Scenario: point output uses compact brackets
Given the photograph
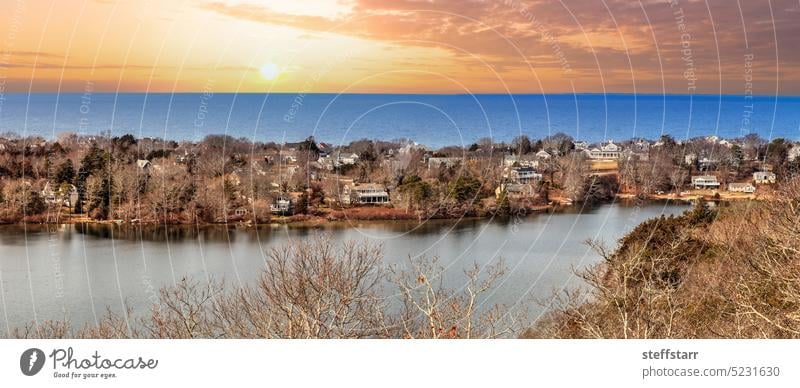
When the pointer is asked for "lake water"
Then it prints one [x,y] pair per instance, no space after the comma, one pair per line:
[434,120]
[77,271]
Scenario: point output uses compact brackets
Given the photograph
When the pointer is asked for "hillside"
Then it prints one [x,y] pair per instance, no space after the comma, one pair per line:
[731,272]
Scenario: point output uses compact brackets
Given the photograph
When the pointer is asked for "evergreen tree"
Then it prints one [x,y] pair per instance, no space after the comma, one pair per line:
[503,204]
[100,205]
[464,188]
[65,173]
[302,203]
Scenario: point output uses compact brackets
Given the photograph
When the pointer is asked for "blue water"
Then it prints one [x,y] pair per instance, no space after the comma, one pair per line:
[435,120]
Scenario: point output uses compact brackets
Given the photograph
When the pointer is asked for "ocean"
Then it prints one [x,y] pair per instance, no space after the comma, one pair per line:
[434,120]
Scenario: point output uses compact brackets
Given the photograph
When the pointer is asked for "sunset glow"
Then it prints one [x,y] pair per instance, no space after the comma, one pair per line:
[400,46]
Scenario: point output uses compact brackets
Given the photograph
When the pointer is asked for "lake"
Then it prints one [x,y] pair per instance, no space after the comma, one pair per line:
[77,271]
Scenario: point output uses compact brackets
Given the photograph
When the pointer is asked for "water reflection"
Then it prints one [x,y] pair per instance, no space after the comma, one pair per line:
[81,269]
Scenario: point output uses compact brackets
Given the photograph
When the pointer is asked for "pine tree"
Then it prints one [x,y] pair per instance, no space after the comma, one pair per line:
[65,173]
[503,204]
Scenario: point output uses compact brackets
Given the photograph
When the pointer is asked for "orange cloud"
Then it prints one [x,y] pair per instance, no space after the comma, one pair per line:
[487,46]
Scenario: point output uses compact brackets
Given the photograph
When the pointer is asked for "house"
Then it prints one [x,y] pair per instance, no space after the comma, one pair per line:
[764,177]
[794,153]
[509,160]
[329,163]
[741,188]
[50,196]
[705,182]
[144,165]
[706,163]
[65,194]
[514,190]
[185,158]
[281,206]
[283,156]
[524,175]
[520,160]
[544,155]
[346,160]
[443,162]
[365,193]
[325,149]
[581,145]
[606,151]
[241,211]
[639,149]
[640,146]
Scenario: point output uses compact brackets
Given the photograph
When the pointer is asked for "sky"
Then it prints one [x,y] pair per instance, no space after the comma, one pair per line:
[401,46]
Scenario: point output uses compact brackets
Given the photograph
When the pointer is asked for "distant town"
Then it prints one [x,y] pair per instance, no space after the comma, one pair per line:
[221,179]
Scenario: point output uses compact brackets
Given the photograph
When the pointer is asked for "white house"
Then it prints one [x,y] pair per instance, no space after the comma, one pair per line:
[365,193]
[524,175]
[794,153]
[606,151]
[705,182]
[144,165]
[66,195]
[544,155]
[521,160]
[764,177]
[281,206]
[741,188]
[443,162]
[347,159]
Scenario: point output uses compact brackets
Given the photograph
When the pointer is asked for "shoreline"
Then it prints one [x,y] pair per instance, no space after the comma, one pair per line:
[313,221]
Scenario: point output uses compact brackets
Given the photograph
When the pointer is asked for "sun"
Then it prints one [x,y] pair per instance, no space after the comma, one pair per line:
[270,71]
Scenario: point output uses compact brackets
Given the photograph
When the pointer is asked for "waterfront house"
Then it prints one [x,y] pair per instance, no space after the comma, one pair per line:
[705,182]
[741,188]
[514,190]
[524,175]
[281,205]
[365,193]
[65,194]
[764,177]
